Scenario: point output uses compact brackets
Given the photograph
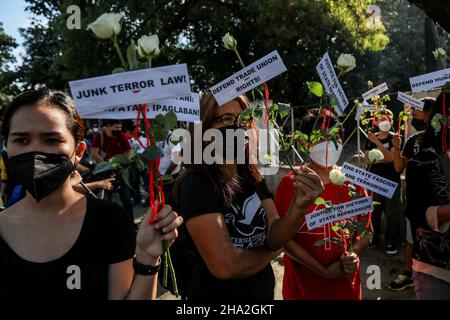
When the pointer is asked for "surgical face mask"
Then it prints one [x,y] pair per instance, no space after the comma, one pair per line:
[319,156]
[40,173]
[384,125]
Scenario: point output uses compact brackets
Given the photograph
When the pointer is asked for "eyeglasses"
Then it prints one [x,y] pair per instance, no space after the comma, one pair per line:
[229,119]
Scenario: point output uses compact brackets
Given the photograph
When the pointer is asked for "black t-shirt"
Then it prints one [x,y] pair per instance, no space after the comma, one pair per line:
[247,224]
[107,236]
[412,145]
[385,169]
[428,184]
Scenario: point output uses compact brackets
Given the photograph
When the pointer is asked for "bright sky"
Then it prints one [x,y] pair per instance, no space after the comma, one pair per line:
[13,17]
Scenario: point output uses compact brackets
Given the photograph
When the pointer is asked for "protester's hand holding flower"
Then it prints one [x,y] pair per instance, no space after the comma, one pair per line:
[309,187]
[149,241]
[350,263]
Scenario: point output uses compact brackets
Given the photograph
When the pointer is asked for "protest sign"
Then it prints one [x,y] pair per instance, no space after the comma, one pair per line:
[430,80]
[248,78]
[375,91]
[331,83]
[128,88]
[338,212]
[411,101]
[186,108]
[369,180]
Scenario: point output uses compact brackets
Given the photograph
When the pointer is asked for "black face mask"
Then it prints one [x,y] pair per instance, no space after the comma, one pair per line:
[39,172]
[419,125]
[116,133]
[231,143]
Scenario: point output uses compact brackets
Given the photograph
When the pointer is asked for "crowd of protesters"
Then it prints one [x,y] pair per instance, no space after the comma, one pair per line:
[234,226]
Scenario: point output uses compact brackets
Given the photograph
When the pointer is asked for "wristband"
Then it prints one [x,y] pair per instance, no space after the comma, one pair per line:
[145,270]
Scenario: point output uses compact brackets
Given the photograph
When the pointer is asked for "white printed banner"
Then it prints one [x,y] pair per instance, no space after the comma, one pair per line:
[430,80]
[338,212]
[186,108]
[364,107]
[375,91]
[411,101]
[331,83]
[249,78]
[369,180]
[128,88]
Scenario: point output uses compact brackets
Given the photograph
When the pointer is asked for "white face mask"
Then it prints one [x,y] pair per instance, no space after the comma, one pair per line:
[384,125]
[318,154]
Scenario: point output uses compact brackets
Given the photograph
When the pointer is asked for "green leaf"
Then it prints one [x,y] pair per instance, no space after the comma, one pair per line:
[333,100]
[376,203]
[319,201]
[258,113]
[160,119]
[119,159]
[103,167]
[284,110]
[170,120]
[118,70]
[151,153]
[126,178]
[320,243]
[315,88]
[335,228]
[328,205]
[131,155]
[337,240]
[131,56]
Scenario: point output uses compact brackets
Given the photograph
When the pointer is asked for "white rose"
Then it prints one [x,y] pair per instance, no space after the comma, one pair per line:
[229,42]
[337,177]
[439,53]
[375,155]
[346,62]
[148,46]
[106,26]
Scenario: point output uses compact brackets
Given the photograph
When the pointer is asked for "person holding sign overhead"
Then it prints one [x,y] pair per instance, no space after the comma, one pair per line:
[57,243]
[321,272]
[382,140]
[232,224]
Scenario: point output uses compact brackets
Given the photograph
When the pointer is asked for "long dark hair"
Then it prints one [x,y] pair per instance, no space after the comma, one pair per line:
[54,98]
[224,186]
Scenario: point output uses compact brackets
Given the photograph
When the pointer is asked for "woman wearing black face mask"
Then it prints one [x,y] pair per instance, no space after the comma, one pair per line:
[56,243]
[232,226]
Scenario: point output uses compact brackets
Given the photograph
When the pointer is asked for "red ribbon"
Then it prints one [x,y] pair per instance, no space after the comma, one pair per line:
[266,96]
[154,166]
